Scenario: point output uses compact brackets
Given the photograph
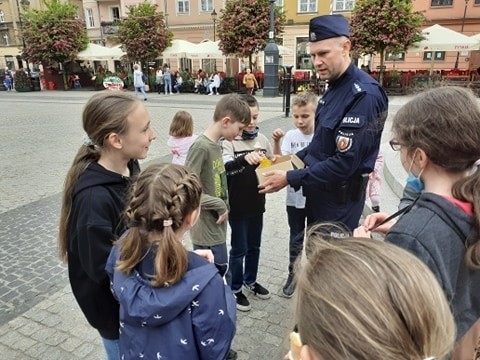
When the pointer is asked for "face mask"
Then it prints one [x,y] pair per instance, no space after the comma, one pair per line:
[247,135]
[414,182]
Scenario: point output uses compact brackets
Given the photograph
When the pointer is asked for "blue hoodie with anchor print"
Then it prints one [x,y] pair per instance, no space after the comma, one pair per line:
[192,319]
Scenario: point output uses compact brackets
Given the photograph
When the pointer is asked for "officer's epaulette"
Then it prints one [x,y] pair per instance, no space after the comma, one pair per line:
[359,87]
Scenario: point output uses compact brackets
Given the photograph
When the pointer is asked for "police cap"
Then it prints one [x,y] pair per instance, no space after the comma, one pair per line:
[328,26]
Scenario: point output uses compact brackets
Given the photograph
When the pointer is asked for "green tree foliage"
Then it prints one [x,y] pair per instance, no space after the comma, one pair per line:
[384,26]
[54,34]
[143,33]
[244,26]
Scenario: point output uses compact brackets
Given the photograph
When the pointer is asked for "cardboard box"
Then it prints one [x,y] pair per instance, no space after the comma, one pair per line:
[286,162]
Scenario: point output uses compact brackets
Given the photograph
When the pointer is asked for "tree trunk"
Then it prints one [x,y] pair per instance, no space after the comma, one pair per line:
[382,70]
[250,61]
[64,76]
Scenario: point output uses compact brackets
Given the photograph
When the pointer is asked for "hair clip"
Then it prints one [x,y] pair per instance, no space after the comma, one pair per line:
[167,222]
[87,141]
[430,358]
[477,163]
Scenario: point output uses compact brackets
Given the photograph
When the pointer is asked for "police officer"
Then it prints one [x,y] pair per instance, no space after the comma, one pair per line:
[348,126]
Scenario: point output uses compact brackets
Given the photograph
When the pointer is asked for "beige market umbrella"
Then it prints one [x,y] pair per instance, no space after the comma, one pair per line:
[440,38]
[95,52]
[207,49]
[178,49]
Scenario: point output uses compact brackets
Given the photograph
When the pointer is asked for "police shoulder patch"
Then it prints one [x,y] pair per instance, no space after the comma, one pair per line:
[344,141]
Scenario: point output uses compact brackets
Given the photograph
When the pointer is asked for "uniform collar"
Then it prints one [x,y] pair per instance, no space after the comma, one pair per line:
[350,70]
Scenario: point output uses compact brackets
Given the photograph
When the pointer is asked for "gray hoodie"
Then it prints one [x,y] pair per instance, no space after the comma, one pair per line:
[436,230]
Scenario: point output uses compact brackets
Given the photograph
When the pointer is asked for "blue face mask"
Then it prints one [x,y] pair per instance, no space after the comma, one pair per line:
[246,135]
[414,181]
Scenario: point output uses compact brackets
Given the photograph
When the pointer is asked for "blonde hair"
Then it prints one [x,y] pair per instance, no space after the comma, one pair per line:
[305,98]
[103,114]
[233,106]
[445,123]
[369,300]
[161,199]
[182,124]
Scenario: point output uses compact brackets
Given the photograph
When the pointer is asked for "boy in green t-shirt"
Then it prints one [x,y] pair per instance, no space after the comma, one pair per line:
[204,157]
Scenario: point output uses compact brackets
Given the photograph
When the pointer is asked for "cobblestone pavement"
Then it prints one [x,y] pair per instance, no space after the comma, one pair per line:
[39,319]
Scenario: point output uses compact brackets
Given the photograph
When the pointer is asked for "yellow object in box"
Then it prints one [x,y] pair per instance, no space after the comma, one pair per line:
[286,162]
[266,162]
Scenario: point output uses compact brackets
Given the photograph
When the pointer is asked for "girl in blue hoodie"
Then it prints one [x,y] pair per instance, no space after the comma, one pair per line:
[173,303]
[438,137]
[118,133]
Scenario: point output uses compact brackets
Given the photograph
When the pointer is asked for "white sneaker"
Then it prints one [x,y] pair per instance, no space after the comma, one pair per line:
[210,93]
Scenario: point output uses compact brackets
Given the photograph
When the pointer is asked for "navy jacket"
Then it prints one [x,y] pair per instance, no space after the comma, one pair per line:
[436,230]
[98,202]
[192,319]
[348,126]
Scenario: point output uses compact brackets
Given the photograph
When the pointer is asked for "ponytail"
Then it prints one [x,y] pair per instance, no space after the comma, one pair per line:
[468,189]
[85,156]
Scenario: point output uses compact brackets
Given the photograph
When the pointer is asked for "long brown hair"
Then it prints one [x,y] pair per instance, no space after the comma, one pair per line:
[445,123]
[103,114]
[161,199]
[369,300]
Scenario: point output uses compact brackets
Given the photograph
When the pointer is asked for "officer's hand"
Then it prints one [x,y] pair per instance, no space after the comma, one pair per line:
[373,219]
[276,180]
[254,157]
[277,134]
[222,217]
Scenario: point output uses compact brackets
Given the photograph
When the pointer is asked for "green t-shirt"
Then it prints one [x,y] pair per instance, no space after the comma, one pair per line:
[205,159]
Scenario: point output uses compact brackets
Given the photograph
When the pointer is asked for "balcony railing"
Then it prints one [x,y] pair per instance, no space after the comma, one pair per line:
[109,27]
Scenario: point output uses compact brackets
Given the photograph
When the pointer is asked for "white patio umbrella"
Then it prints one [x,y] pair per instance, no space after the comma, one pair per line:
[207,49]
[439,38]
[476,37]
[178,49]
[95,52]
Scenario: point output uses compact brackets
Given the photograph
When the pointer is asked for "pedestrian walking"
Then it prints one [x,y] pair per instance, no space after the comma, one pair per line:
[118,133]
[139,81]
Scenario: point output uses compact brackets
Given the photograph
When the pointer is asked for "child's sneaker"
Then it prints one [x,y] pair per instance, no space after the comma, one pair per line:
[242,302]
[258,290]
[289,287]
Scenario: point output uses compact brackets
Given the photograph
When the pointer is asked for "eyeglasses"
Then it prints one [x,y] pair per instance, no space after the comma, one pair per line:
[395,145]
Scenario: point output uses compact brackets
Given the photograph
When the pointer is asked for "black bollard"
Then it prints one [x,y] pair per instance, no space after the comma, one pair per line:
[288,78]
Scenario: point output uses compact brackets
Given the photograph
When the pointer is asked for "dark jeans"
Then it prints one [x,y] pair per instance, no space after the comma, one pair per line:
[220,256]
[296,221]
[246,239]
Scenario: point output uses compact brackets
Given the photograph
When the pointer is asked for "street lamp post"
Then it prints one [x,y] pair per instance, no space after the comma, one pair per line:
[214,18]
[463,24]
[270,88]
[20,22]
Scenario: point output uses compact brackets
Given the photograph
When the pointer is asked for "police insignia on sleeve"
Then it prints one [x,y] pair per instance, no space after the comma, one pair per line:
[344,142]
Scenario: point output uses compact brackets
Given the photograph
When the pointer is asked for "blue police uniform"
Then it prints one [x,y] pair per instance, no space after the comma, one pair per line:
[348,126]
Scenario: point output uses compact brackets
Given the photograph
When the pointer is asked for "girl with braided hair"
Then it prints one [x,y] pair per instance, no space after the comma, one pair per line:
[173,303]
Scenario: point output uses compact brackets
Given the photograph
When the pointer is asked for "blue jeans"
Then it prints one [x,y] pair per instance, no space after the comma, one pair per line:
[168,85]
[142,90]
[220,256]
[245,241]
[296,221]
[112,348]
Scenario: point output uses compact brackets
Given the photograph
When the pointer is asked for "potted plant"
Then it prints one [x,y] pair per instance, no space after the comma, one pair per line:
[22,82]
